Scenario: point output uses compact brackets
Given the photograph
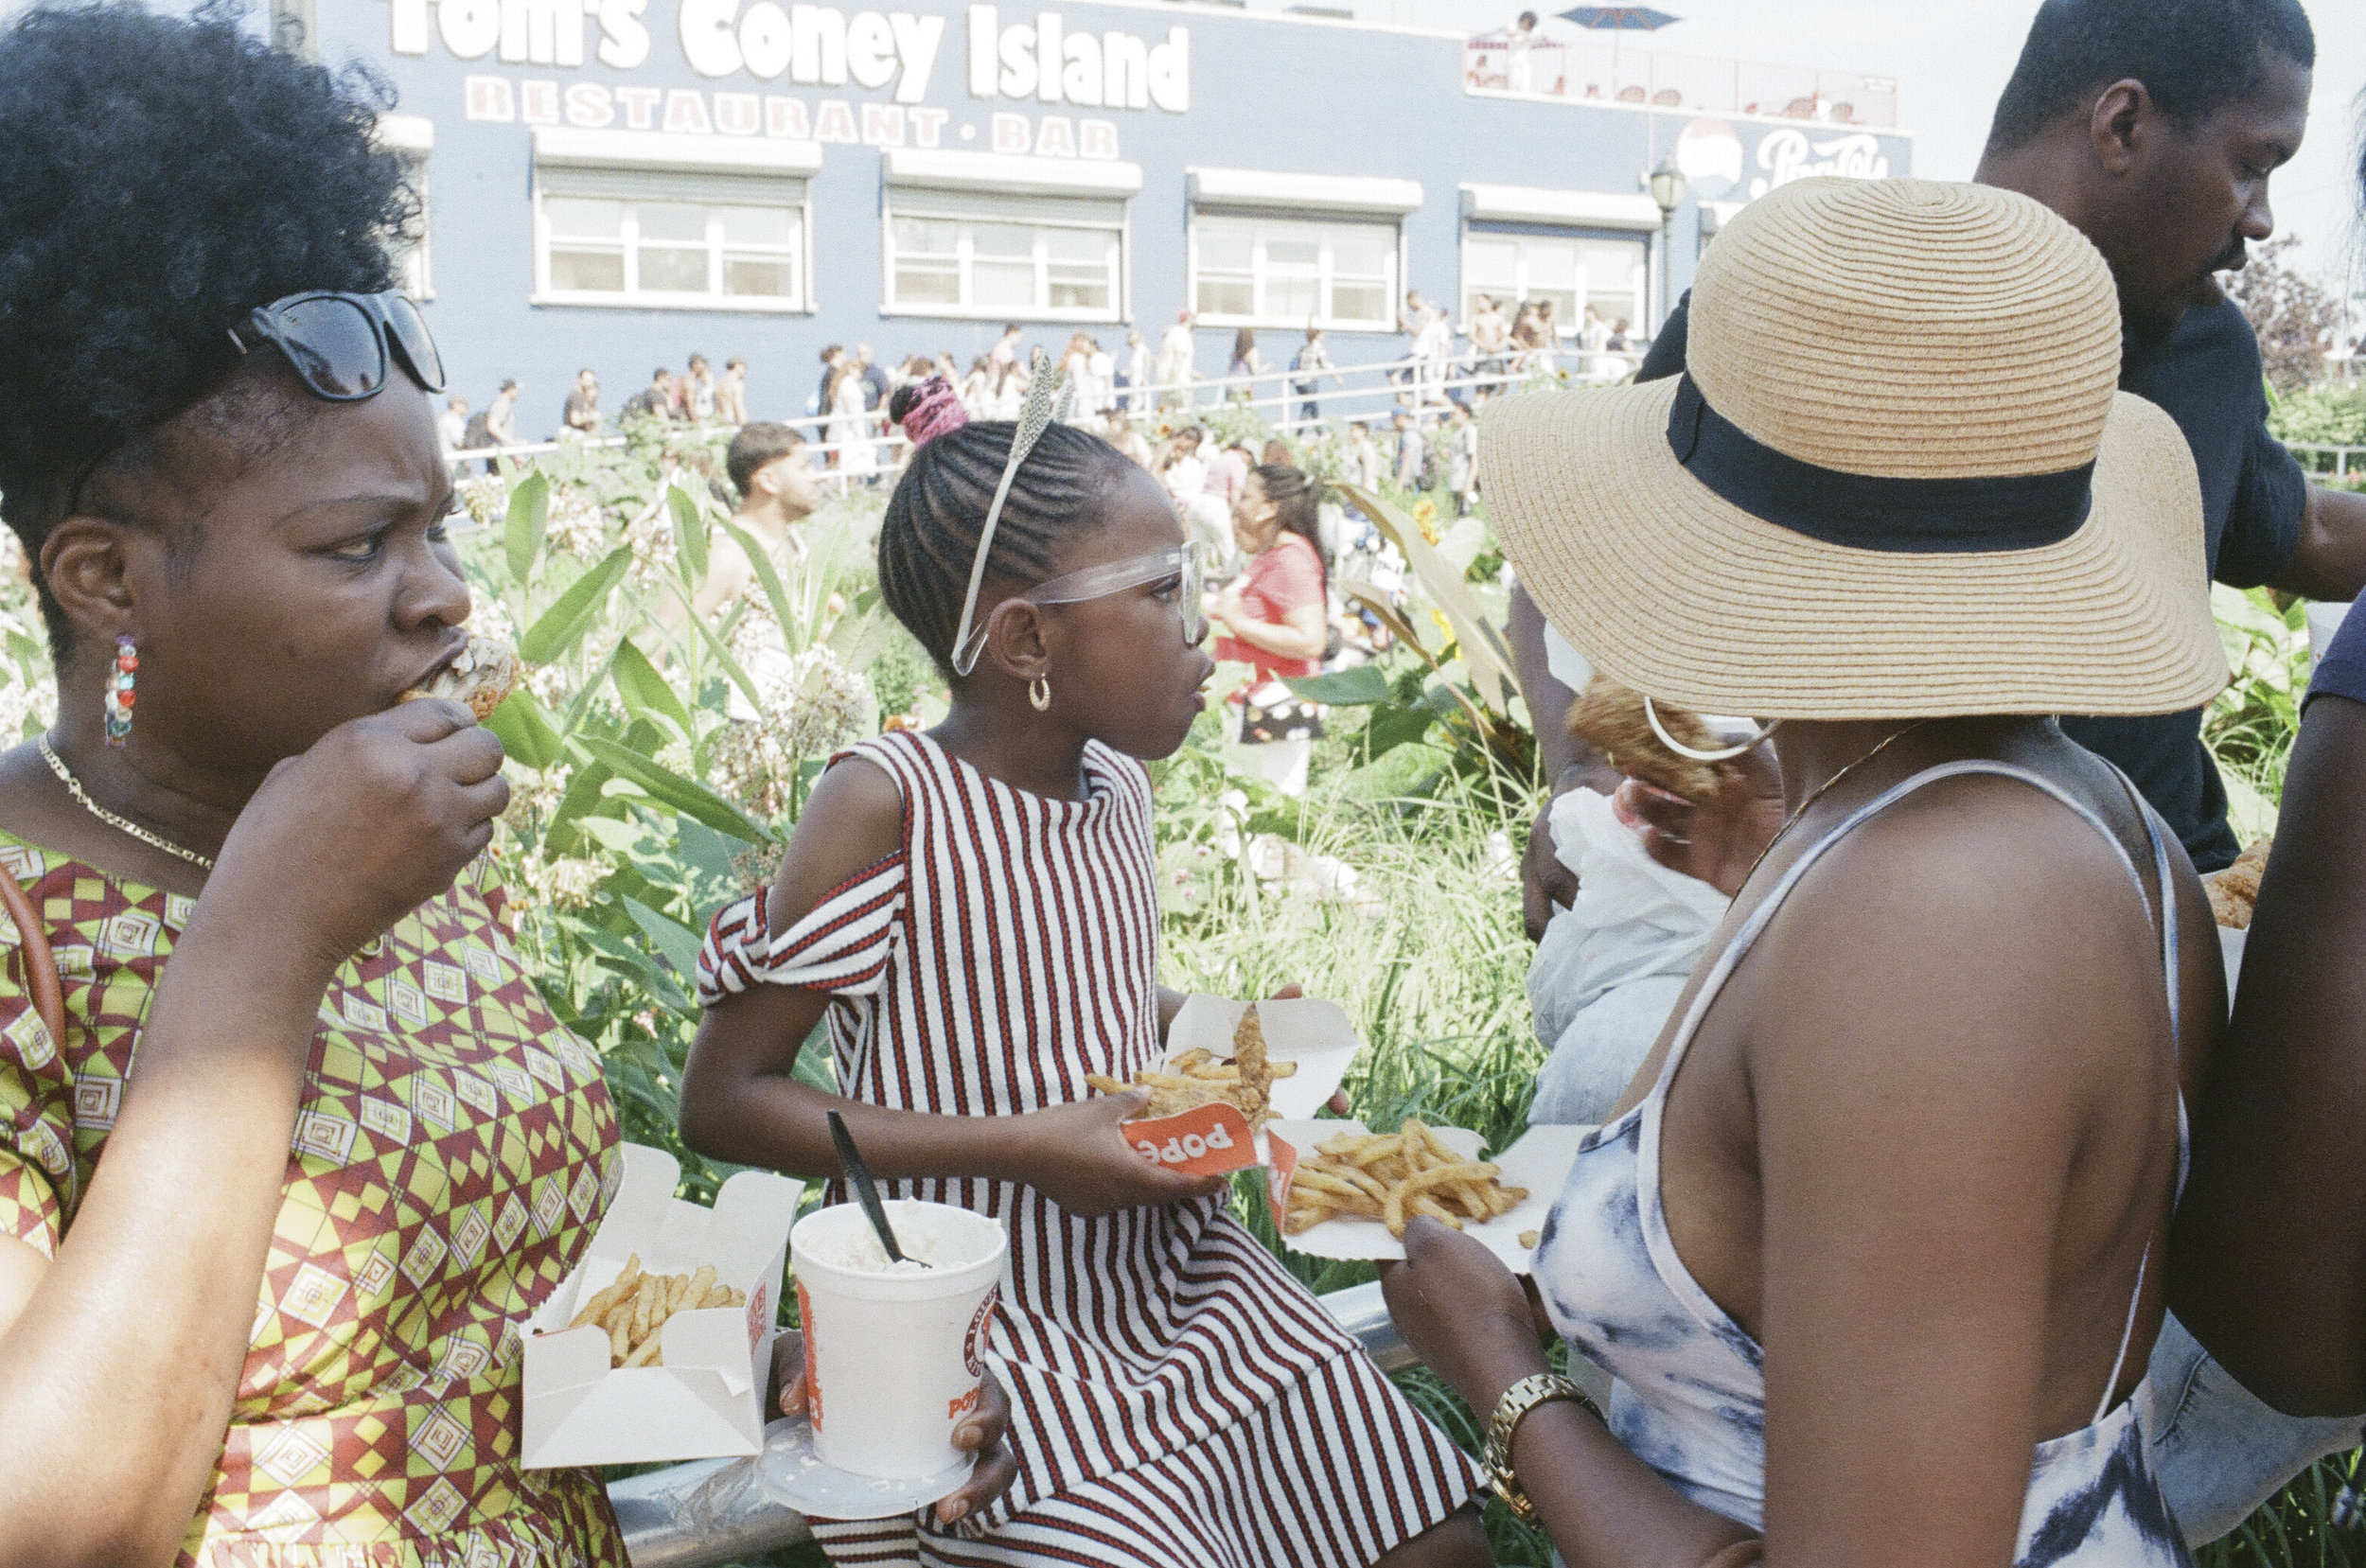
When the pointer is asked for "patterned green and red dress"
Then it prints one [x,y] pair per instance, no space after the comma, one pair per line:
[454,1151]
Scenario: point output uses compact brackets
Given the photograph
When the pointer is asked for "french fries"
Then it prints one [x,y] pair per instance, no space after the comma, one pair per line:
[1392,1177]
[1199,1076]
[634,1308]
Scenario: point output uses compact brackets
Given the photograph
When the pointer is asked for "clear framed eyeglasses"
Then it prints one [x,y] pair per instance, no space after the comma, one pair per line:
[1099,582]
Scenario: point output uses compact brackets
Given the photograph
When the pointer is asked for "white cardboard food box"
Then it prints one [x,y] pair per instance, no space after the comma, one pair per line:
[706,1401]
[1315,1033]
[1537,1160]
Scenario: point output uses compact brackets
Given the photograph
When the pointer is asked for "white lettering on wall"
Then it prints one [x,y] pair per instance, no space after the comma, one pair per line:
[1039,60]
[623,42]
[817,45]
[686,111]
[1787,155]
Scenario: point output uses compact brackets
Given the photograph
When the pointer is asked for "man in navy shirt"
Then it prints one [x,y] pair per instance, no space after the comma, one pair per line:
[2153,126]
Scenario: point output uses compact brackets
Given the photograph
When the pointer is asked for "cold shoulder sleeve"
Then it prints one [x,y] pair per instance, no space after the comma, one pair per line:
[842,946]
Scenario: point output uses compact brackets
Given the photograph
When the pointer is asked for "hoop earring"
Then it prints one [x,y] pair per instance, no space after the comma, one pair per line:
[1726,754]
[1039,694]
[120,682]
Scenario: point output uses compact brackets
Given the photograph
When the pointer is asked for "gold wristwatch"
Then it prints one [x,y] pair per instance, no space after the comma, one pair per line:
[1521,1397]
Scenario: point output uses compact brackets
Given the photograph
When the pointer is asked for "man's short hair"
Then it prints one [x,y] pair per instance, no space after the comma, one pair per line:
[2194,57]
[756,444]
[734,362]
[660,374]
[698,358]
[509,386]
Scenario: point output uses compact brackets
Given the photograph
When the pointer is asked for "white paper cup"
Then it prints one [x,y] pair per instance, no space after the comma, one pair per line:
[894,1362]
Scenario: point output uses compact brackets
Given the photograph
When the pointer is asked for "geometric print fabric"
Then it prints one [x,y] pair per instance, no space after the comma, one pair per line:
[455,1150]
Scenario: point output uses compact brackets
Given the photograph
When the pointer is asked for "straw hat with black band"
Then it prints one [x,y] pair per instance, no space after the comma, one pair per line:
[1896,480]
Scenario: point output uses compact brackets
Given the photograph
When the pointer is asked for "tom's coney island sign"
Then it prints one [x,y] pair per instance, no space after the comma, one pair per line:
[1016,56]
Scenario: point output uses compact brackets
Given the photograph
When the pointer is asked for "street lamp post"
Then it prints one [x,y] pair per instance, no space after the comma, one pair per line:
[1667,189]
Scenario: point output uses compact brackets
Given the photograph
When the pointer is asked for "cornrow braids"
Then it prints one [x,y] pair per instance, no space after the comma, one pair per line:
[929,537]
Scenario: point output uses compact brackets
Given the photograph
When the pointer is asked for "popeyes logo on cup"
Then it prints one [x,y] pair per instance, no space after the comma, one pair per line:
[813,1359]
[974,1347]
[1205,1140]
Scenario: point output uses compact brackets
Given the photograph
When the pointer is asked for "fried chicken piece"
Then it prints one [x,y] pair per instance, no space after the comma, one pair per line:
[1248,1054]
[2234,891]
[1610,718]
[485,672]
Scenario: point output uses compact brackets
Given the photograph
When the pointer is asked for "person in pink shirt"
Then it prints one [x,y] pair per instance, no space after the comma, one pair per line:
[1272,617]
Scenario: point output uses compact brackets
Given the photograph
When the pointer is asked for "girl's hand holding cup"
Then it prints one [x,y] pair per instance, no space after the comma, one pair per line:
[982,1432]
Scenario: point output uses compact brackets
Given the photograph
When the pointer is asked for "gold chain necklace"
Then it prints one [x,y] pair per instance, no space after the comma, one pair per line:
[1822,789]
[121,825]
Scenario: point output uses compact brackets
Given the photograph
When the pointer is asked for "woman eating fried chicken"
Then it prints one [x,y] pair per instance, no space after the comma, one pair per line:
[293,1147]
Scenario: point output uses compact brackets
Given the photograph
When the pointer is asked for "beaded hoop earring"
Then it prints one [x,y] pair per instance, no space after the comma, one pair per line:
[1039,694]
[120,694]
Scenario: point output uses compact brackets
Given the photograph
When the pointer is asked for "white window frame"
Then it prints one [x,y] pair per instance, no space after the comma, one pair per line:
[968,208]
[410,138]
[1575,324]
[631,186]
[1326,274]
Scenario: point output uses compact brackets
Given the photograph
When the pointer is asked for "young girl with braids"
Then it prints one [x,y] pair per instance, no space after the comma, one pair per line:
[974,909]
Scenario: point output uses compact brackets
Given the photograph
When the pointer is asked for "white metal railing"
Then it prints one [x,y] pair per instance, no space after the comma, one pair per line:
[1372,390]
[2342,456]
[1611,73]
[714,1511]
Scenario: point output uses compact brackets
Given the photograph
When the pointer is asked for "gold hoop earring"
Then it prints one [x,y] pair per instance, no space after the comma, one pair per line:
[1039,694]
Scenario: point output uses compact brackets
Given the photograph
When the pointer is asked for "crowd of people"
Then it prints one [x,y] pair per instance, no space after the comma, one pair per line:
[1883,1244]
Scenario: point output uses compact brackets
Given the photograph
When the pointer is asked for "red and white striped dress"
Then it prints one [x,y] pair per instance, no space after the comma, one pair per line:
[1178,1399]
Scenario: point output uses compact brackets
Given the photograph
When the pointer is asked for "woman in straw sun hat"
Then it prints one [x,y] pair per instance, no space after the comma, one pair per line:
[1873,1243]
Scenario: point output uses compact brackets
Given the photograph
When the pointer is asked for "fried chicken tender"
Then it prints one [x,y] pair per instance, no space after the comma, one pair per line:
[2234,890]
[1199,1079]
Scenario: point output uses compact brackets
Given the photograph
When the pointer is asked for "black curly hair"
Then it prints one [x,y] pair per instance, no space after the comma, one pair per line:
[929,537]
[160,177]
[2194,57]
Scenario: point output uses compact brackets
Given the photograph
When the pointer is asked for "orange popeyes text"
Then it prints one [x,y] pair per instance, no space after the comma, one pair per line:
[1205,1140]
[956,1409]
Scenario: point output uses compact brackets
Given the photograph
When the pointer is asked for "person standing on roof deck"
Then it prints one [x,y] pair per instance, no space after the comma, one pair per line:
[1005,351]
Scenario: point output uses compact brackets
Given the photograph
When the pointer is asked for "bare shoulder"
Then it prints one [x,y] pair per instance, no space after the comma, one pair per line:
[1979,930]
[852,821]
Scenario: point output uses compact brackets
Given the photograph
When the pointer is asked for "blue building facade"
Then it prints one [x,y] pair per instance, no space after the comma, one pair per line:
[616,183]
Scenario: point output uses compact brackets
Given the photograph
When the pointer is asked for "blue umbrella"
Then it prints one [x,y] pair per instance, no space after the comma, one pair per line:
[1615,20]
[1632,19]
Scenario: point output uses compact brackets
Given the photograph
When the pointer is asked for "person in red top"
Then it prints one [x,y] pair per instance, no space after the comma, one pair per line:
[1272,618]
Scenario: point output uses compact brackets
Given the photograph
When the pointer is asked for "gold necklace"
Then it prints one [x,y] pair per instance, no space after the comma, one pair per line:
[122,825]
[1820,790]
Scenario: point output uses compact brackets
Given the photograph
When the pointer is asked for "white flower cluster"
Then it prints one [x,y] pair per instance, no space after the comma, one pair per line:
[813,706]
[489,617]
[654,547]
[551,684]
[486,496]
[565,882]
[576,526]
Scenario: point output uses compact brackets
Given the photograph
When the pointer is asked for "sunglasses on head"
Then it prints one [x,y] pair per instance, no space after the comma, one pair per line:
[340,344]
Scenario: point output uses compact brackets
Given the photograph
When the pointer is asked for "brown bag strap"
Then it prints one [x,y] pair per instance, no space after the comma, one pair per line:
[40,966]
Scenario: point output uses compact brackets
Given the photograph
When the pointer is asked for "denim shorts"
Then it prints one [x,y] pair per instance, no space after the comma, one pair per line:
[2219,1452]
